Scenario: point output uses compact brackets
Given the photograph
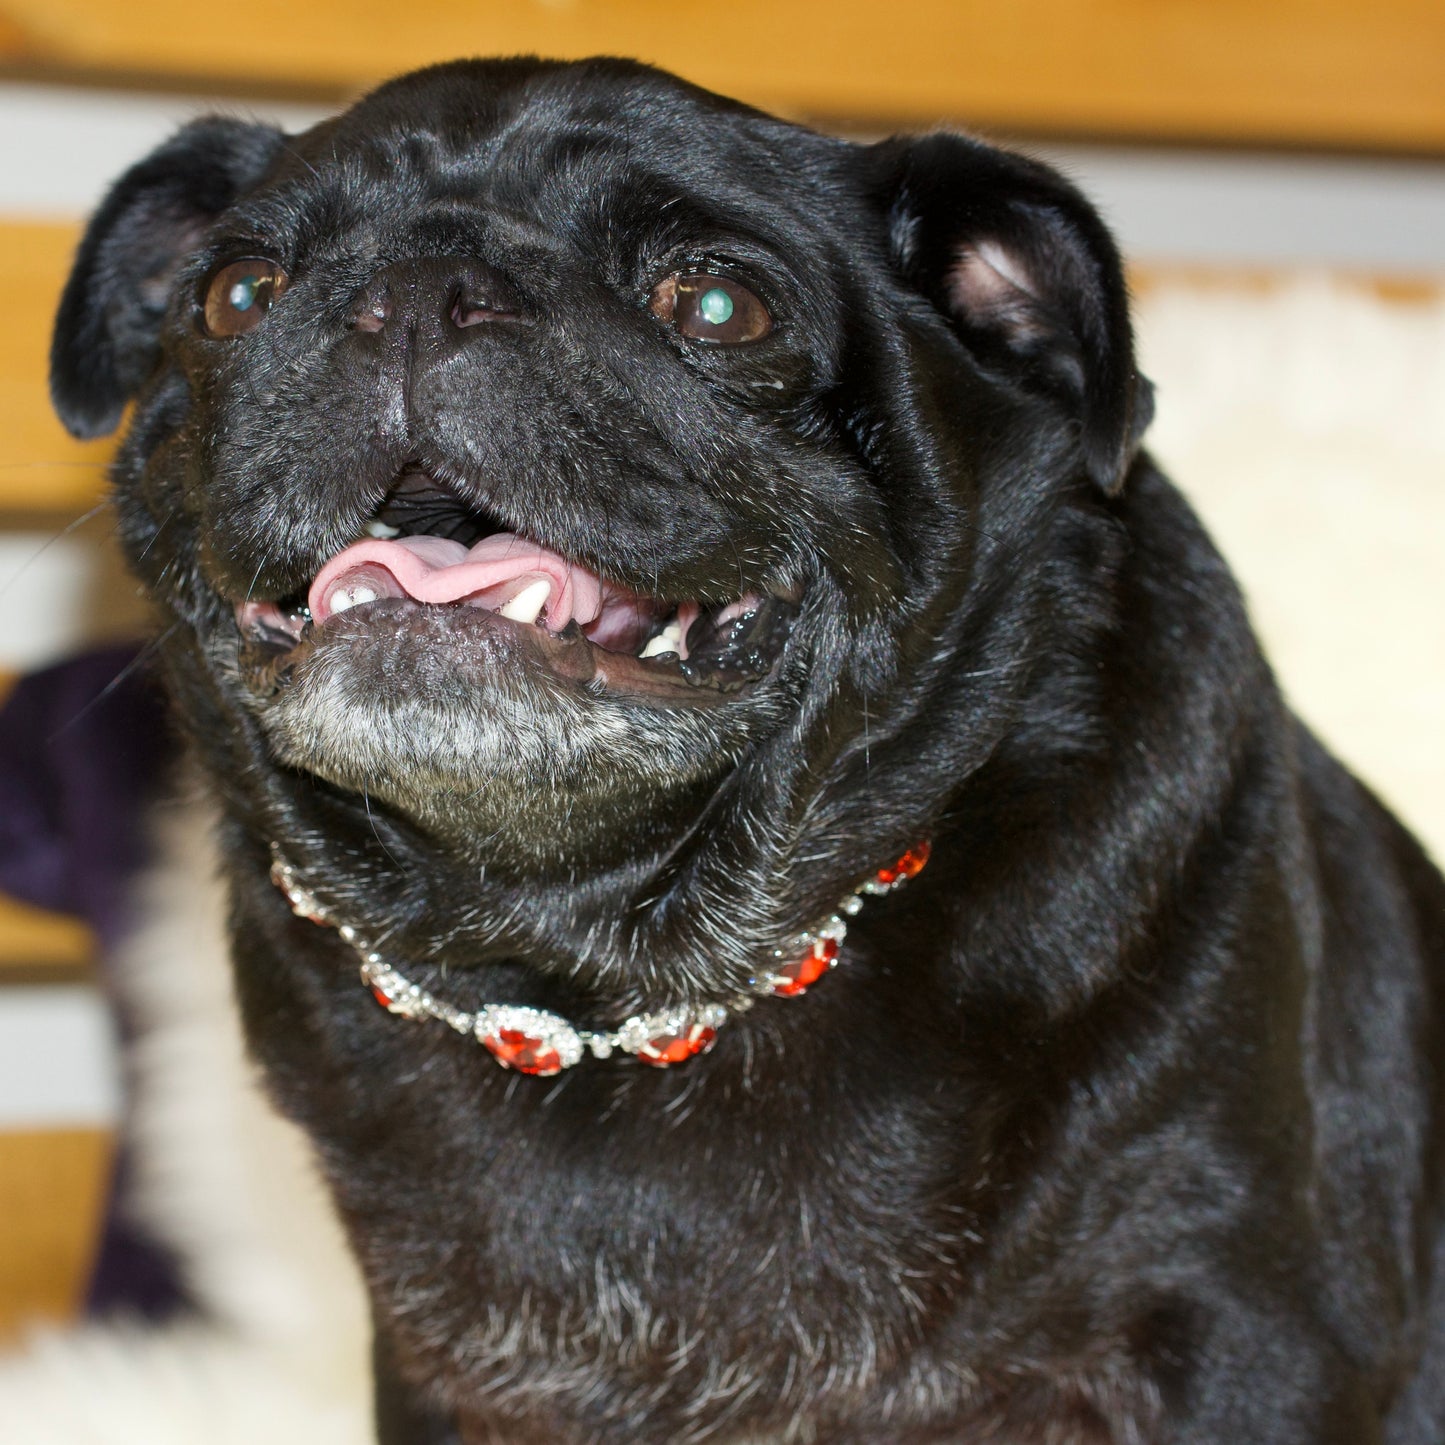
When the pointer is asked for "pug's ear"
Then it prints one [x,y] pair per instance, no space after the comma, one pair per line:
[1028,274]
[106,339]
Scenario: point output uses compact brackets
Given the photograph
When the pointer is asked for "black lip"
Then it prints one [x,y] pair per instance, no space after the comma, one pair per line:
[724,658]
[741,651]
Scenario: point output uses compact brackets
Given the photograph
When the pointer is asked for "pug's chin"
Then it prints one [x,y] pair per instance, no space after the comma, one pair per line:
[481,737]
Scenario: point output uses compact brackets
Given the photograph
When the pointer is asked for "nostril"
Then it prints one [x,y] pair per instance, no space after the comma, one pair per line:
[373,313]
[480,293]
[470,310]
[431,296]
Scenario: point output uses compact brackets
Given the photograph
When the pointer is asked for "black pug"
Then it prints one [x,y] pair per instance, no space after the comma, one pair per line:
[610,539]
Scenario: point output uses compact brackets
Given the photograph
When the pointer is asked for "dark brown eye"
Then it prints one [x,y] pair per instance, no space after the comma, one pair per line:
[238,296]
[710,308]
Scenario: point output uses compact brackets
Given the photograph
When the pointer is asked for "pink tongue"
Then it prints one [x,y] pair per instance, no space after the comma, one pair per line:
[489,575]
[433,569]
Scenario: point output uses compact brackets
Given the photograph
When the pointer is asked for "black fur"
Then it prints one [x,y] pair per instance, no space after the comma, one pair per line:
[1121,1123]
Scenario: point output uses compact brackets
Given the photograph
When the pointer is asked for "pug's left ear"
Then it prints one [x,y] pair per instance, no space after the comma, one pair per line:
[1030,277]
[107,332]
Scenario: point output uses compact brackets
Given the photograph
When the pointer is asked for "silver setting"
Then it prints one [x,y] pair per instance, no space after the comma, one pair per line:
[635,1035]
[636,1032]
[550,1030]
[304,903]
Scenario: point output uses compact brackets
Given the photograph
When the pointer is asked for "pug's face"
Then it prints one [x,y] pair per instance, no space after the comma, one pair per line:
[581,469]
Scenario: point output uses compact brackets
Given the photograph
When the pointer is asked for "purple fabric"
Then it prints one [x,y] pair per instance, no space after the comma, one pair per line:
[83,748]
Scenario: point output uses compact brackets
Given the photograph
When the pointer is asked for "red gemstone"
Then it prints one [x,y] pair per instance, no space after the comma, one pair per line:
[515,1050]
[800,976]
[676,1048]
[380,997]
[910,865]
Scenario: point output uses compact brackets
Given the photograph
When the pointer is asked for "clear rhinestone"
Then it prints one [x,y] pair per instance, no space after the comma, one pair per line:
[527,1038]
[635,1032]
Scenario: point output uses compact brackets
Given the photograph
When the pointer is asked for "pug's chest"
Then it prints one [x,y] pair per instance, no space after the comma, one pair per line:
[781,1240]
[574,1263]
[519,1368]
[774,1387]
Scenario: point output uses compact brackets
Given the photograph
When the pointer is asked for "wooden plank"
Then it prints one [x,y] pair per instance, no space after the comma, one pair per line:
[52,1200]
[42,468]
[1403,290]
[1318,72]
[34,939]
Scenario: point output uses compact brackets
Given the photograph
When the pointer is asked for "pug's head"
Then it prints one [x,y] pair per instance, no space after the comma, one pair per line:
[560,472]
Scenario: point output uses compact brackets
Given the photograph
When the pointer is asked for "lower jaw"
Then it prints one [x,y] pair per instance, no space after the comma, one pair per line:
[524,775]
[466,637]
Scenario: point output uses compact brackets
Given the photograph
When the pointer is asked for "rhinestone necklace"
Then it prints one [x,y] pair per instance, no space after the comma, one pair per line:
[533,1041]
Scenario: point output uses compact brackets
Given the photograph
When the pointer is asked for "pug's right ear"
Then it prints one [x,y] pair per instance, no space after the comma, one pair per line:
[107,332]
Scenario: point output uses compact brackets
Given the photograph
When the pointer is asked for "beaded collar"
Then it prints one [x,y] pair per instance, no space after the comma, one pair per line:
[533,1041]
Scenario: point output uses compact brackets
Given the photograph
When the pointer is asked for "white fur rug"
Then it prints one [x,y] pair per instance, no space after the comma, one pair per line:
[1309,425]
[230,1185]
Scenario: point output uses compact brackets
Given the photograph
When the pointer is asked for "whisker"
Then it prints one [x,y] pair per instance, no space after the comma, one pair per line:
[143,655]
[57,536]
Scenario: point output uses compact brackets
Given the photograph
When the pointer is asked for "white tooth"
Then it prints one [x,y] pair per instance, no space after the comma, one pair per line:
[353,596]
[527,605]
[377,528]
[668,640]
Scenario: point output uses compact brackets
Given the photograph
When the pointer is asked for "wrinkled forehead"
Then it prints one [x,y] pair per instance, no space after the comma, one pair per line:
[554,144]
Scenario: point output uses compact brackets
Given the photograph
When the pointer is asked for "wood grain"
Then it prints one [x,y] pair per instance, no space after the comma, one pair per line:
[1315,72]
[36,940]
[42,468]
[52,1200]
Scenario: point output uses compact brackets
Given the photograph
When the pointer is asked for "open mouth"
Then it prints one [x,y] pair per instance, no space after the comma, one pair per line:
[425,547]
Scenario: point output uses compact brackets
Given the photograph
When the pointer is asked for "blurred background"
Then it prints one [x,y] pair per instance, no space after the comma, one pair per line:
[1275,170]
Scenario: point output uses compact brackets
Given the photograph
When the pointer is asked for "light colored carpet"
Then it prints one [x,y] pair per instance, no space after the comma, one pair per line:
[1307,422]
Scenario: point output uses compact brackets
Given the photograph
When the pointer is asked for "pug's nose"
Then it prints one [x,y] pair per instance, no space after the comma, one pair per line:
[442,295]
